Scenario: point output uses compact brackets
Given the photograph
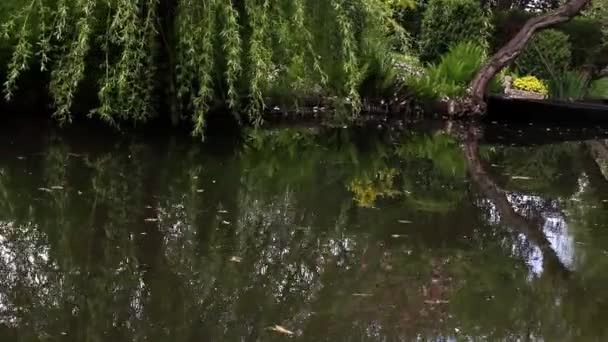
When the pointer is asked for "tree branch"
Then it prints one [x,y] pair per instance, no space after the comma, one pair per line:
[515,46]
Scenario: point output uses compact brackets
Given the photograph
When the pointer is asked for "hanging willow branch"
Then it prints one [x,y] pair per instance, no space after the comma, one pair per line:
[223,52]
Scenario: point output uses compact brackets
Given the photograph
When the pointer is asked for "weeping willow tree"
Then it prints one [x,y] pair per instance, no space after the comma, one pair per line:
[190,56]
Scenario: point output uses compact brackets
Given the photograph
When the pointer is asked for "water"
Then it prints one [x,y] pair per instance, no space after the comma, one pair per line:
[331,235]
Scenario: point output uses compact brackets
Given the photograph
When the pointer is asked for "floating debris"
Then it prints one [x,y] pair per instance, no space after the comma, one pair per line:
[225,222]
[200,190]
[521,177]
[152,219]
[436,302]
[398,235]
[281,330]
[362,295]
[57,187]
[222,211]
[405,221]
[45,189]
[236,259]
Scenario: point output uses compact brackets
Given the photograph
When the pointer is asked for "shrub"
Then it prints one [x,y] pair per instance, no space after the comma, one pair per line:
[451,76]
[586,38]
[575,85]
[598,89]
[411,18]
[506,25]
[448,22]
[584,33]
[568,85]
[530,83]
[378,72]
[548,52]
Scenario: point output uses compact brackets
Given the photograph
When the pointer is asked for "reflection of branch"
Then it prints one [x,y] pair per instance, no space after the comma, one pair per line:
[599,152]
[532,229]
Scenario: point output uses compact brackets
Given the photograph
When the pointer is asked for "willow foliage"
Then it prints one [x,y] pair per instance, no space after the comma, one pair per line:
[195,54]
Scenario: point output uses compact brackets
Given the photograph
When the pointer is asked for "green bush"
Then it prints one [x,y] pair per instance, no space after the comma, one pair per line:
[585,36]
[410,19]
[448,22]
[451,76]
[598,89]
[548,53]
[506,24]
[576,85]
[568,85]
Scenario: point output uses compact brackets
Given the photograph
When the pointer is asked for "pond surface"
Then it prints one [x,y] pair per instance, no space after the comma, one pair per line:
[305,234]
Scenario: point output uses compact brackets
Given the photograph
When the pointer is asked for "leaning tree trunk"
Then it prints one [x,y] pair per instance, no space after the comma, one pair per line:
[515,46]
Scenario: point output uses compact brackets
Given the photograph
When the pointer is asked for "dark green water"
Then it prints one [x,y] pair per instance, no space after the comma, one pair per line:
[335,235]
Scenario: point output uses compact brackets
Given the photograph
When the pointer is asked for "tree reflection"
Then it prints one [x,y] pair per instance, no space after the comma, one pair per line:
[531,228]
[334,234]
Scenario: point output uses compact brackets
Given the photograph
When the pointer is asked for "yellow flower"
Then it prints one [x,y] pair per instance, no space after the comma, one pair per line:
[530,83]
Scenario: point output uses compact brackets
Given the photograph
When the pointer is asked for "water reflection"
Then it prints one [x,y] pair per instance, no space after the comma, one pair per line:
[332,234]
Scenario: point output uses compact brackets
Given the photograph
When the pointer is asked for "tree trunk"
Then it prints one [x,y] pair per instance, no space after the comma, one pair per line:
[515,46]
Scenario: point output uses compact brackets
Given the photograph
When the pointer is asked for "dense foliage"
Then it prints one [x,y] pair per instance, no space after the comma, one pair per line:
[132,60]
[598,89]
[569,84]
[195,54]
[584,33]
[547,54]
[451,75]
[448,22]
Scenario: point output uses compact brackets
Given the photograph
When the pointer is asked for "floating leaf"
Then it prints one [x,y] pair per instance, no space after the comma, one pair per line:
[281,330]
[236,259]
[521,177]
